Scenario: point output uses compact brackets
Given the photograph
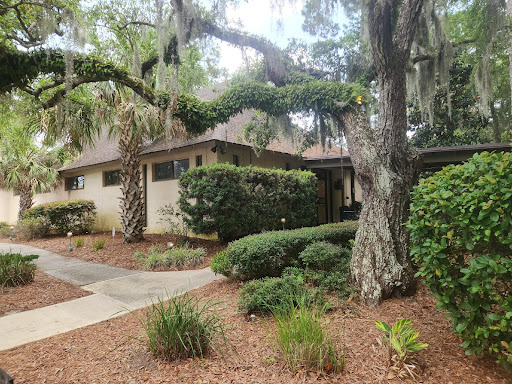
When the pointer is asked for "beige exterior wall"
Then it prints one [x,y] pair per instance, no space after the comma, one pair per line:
[9,205]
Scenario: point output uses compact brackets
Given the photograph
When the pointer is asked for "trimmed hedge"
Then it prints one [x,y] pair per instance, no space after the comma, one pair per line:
[76,216]
[461,234]
[235,201]
[269,253]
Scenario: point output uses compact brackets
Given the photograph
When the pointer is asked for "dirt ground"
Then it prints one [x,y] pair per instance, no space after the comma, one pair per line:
[43,291]
[115,253]
[110,352]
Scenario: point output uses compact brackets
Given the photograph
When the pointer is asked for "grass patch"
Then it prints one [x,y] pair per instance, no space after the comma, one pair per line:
[302,339]
[16,269]
[98,244]
[184,327]
[177,257]
[79,242]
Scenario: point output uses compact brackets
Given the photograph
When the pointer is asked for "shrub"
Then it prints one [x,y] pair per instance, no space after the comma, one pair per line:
[327,266]
[76,216]
[98,244]
[5,229]
[235,201]
[180,256]
[221,264]
[79,242]
[267,293]
[32,228]
[461,233]
[185,327]
[16,269]
[269,253]
[302,339]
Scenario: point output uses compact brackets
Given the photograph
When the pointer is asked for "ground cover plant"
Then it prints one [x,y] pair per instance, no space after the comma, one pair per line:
[185,326]
[176,257]
[461,234]
[16,269]
[271,292]
[98,244]
[212,197]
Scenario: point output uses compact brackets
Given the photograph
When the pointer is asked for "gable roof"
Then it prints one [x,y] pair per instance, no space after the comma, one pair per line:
[105,150]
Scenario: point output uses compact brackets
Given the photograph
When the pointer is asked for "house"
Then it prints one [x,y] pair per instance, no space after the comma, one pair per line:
[95,174]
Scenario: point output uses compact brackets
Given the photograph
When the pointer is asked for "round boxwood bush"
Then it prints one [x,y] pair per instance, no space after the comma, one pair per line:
[461,234]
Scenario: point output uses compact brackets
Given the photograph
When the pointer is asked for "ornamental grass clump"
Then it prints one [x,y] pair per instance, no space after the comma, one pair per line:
[16,269]
[177,257]
[186,326]
[302,339]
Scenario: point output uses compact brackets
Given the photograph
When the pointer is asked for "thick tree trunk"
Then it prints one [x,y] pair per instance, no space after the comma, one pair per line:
[132,202]
[380,260]
[26,201]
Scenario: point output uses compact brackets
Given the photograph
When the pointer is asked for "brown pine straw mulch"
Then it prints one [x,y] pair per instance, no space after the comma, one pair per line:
[107,352]
[44,290]
[115,253]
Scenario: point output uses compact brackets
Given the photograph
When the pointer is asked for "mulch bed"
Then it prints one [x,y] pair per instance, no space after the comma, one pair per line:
[43,291]
[107,352]
[115,253]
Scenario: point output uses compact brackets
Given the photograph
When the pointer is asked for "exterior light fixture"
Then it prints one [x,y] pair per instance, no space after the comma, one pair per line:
[12,229]
[283,220]
[170,244]
[70,234]
[222,150]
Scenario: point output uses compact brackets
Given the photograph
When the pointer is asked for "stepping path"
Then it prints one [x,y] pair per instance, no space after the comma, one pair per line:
[116,291]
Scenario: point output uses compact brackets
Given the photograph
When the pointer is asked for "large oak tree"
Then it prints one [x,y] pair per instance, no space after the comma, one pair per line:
[380,153]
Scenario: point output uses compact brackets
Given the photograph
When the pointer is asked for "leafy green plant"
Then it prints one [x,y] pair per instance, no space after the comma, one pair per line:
[98,244]
[76,216]
[400,340]
[16,269]
[186,326]
[269,253]
[32,228]
[180,256]
[172,219]
[5,229]
[302,339]
[327,266]
[221,264]
[267,293]
[79,242]
[461,236]
[212,197]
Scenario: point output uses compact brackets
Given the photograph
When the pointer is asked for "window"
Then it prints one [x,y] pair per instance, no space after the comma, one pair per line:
[75,182]
[171,169]
[199,160]
[112,178]
[288,166]
[235,160]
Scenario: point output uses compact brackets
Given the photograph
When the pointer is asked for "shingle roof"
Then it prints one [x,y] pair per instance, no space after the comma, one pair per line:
[106,151]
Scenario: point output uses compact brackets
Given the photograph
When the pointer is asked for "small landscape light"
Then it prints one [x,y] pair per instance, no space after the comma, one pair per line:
[70,234]
[12,229]
[170,244]
[283,220]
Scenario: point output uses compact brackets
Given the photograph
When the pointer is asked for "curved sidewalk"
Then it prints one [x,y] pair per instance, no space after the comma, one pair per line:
[115,292]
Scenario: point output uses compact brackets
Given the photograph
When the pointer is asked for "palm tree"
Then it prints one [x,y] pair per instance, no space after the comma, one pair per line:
[133,121]
[24,166]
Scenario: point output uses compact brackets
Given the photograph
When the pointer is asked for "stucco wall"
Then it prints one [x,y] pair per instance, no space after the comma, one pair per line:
[9,205]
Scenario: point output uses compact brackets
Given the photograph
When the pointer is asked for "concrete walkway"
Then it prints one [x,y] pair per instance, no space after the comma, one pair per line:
[116,291]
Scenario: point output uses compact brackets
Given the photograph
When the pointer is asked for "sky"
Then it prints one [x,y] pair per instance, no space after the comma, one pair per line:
[264,19]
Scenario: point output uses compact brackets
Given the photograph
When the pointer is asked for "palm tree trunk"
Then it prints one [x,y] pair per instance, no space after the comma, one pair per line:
[26,201]
[132,201]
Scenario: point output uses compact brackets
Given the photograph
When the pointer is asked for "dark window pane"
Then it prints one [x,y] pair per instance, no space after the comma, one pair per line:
[199,160]
[113,177]
[180,167]
[76,182]
[235,160]
[163,171]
